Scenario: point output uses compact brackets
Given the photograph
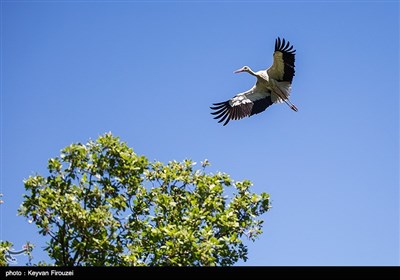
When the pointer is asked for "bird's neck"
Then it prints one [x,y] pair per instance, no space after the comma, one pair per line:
[251,72]
[260,75]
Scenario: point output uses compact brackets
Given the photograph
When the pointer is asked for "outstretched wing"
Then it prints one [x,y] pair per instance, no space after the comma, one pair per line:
[242,105]
[283,67]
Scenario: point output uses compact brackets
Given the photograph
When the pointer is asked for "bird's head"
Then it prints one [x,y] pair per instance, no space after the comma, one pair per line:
[243,69]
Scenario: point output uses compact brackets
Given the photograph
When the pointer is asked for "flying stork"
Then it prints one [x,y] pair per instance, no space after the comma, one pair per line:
[273,86]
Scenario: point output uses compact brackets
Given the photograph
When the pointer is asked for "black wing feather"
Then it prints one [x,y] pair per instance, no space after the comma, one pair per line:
[288,54]
[226,112]
[260,105]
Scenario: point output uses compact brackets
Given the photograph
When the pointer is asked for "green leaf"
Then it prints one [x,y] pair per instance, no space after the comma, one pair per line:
[101,204]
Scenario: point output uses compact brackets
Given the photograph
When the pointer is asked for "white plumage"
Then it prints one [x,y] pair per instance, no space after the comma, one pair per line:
[273,86]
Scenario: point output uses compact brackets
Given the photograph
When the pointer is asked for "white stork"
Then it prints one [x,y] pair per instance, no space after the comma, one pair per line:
[273,86]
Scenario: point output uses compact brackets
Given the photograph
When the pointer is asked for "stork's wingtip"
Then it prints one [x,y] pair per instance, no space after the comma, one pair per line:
[294,108]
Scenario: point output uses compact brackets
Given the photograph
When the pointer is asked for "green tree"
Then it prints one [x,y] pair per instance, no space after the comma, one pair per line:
[7,254]
[104,205]
[4,247]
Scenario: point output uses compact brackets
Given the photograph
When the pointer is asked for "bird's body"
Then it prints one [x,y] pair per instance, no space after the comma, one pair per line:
[273,85]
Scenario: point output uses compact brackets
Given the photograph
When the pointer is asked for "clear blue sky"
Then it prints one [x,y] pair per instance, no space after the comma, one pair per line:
[148,72]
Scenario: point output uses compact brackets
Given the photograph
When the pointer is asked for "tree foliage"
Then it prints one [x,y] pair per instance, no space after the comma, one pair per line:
[4,247]
[102,204]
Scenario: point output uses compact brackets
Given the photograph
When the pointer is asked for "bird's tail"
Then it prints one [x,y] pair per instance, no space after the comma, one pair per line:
[281,92]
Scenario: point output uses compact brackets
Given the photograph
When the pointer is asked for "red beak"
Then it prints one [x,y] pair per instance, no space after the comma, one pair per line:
[238,71]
